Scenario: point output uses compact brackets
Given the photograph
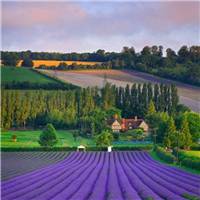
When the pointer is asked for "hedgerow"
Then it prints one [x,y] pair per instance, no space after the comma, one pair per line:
[163,155]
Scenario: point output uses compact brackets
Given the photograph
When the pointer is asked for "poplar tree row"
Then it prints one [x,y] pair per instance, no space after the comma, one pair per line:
[66,109]
[134,101]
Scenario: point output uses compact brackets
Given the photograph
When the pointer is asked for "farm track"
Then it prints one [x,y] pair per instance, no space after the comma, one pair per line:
[102,175]
[18,163]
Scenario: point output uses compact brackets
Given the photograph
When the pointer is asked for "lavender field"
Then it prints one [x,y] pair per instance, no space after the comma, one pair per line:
[18,163]
[102,175]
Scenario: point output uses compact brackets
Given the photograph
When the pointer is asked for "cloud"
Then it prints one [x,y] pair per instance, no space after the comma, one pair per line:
[88,26]
[25,15]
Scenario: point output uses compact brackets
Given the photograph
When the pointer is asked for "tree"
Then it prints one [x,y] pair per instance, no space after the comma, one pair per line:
[104,139]
[167,142]
[170,53]
[169,138]
[193,120]
[75,135]
[108,96]
[156,95]
[48,136]
[187,138]
[183,54]
[27,62]
[151,108]
[10,59]
[174,99]
[110,113]
[194,125]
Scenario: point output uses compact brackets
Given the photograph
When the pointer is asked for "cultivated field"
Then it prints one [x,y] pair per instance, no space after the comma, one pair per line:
[189,95]
[37,63]
[19,163]
[102,175]
[9,74]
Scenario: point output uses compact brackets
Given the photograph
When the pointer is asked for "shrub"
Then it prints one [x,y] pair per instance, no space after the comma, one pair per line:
[116,136]
[195,147]
[89,148]
[190,197]
[132,148]
[163,155]
[27,62]
[48,137]
[191,162]
[104,139]
[14,138]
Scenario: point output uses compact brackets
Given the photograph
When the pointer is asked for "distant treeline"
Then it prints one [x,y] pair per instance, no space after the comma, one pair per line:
[74,66]
[183,65]
[85,109]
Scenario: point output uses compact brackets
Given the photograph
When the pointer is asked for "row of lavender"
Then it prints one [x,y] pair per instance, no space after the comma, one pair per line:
[102,175]
[17,163]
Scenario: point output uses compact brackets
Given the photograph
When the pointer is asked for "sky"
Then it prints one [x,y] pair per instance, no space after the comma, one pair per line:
[86,26]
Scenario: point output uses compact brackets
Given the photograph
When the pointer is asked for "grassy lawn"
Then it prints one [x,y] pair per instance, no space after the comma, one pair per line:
[153,155]
[21,74]
[30,139]
[192,153]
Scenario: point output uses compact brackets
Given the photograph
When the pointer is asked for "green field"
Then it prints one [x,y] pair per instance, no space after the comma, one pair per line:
[192,153]
[20,74]
[30,139]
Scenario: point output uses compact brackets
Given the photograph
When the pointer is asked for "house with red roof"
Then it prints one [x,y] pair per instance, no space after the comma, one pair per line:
[124,124]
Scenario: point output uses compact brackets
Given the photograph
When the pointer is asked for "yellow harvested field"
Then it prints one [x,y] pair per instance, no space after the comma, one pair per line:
[37,63]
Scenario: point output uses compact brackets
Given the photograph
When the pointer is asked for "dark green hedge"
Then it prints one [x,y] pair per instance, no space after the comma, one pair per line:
[163,155]
[93,148]
[191,162]
[195,147]
[9,149]
[132,148]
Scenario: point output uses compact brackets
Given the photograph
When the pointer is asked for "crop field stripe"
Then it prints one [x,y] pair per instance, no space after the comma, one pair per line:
[174,171]
[98,181]
[27,177]
[151,183]
[169,174]
[24,184]
[157,178]
[81,191]
[140,176]
[99,190]
[65,181]
[39,172]
[102,175]
[40,160]
[114,191]
[84,192]
[175,186]
[170,177]
[128,190]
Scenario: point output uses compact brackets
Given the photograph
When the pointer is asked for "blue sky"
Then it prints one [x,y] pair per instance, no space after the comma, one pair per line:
[86,26]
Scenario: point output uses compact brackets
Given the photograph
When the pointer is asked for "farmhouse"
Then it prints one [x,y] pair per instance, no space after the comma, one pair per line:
[128,124]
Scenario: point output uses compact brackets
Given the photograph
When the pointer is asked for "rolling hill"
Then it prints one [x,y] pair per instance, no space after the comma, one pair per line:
[189,95]
[10,74]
